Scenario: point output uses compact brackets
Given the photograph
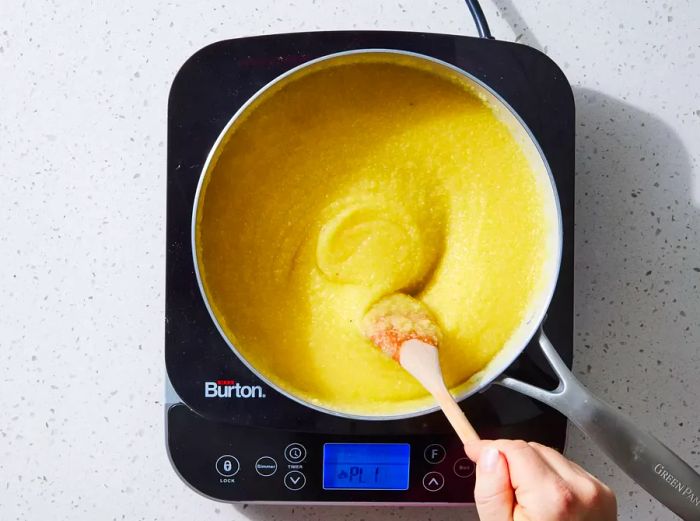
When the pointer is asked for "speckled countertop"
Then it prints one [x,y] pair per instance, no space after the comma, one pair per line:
[83,90]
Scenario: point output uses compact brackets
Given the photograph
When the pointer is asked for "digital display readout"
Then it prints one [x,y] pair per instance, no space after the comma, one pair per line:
[366,466]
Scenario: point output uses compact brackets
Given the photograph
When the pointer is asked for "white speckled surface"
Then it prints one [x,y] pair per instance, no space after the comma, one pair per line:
[83,89]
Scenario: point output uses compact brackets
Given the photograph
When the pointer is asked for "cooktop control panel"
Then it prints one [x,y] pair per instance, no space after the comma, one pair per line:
[248,464]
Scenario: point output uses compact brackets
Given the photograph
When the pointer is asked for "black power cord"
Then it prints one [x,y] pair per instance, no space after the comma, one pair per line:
[482,26]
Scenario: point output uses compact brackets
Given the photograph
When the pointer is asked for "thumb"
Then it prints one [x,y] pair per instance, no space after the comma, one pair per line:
[493,493]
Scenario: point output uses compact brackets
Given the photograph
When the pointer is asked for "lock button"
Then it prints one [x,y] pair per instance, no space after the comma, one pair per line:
[227,465]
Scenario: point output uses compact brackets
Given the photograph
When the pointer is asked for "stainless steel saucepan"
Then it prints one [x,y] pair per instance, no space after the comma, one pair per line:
[651,464]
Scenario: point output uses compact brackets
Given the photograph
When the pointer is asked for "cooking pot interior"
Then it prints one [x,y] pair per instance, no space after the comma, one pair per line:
[366,223]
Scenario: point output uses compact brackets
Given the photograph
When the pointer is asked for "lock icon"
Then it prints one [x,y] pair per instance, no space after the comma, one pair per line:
[227,465]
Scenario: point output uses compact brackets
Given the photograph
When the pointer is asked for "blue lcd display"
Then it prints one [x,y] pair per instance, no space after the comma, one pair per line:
[366,466]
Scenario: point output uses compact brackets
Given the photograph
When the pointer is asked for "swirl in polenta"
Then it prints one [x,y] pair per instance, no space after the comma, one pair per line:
[355,178]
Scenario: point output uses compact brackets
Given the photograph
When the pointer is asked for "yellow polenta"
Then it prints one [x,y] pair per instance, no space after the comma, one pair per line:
[353,181]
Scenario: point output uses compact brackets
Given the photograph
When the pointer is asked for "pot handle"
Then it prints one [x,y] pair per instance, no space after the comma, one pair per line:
[644,458]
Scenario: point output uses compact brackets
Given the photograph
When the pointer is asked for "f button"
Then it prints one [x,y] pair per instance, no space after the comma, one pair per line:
[434,453]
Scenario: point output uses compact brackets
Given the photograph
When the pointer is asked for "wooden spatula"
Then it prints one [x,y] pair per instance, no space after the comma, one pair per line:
[403,329]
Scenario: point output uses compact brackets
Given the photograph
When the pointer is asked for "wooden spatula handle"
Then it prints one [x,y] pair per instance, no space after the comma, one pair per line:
[456,416]
[422,361]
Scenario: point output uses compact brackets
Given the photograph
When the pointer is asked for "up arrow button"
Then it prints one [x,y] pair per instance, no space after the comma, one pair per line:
[433,481]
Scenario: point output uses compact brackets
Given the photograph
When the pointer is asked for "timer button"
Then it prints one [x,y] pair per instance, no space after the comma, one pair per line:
[294,480]
[434,453]
[266,466]
[433,481]
[227,466]
[295,453]
[464,467]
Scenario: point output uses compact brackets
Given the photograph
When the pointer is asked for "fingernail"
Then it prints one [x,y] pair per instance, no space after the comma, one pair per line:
[489,459]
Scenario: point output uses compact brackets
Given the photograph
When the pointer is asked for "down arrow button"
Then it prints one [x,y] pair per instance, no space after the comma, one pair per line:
[294,480]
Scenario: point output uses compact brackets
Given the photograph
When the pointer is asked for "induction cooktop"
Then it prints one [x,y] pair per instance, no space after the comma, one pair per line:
[233,438]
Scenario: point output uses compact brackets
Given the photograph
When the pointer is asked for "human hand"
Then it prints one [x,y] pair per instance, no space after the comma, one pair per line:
[519,481]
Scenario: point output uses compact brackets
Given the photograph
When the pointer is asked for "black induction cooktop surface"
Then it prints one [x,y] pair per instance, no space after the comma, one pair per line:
[221,407]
